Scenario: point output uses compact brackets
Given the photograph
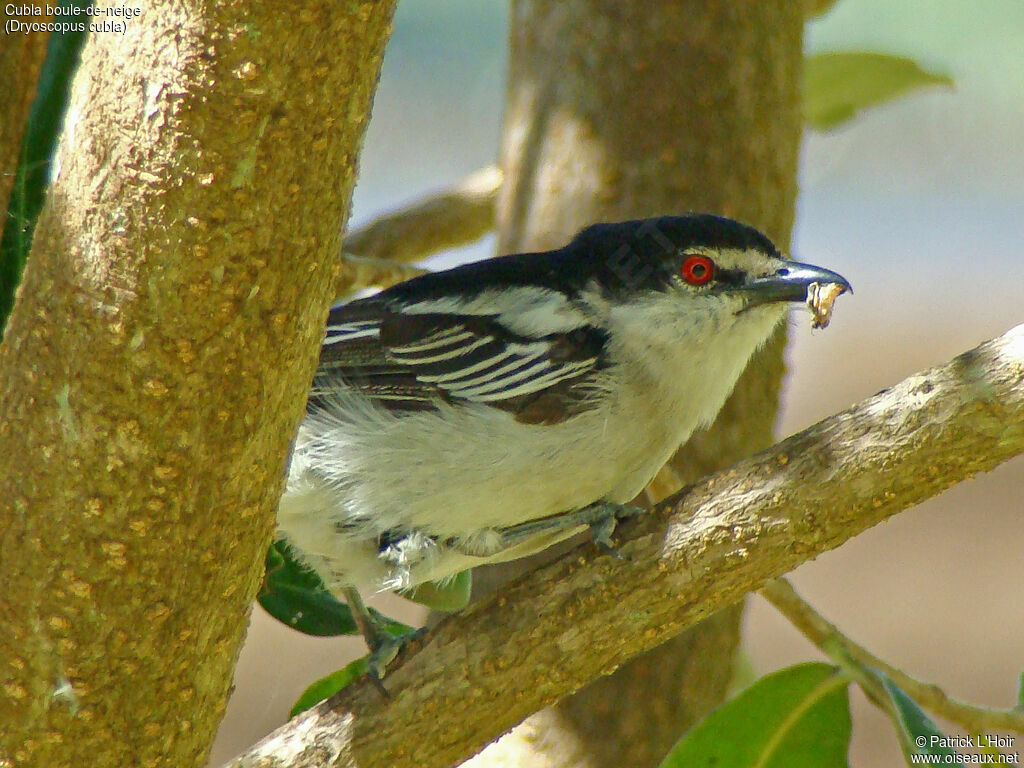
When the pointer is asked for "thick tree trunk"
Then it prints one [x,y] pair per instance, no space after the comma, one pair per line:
[621,109]
[156,364]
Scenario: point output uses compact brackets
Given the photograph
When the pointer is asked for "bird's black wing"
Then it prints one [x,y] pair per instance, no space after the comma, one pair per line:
[408,361]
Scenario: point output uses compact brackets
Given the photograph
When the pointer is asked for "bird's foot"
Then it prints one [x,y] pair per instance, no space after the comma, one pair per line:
[386,651]
[605,518]
[384,646]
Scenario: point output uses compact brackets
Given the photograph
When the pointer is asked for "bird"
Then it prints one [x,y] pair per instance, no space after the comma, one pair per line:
[485,412]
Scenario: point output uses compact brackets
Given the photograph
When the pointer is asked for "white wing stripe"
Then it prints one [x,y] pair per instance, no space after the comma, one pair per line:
[447,378]
[435,340]
[495,381]
[508,370]
[399,354]
[463,384]
[354,325]
[501,385]
[350,331]
[535,385]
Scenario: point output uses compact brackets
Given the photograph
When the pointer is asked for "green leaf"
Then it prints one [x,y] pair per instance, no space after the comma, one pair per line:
[798,717]
[293,594]
[451,596]
[838,85]
[37,148]
[918,734]
[326,687]
[1020,692]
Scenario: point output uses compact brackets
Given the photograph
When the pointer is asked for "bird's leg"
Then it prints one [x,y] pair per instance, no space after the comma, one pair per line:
[601,517]
[384,646]
[369,627]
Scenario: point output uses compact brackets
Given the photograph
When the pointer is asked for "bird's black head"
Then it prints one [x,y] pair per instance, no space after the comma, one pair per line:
[699,253]
[658,252]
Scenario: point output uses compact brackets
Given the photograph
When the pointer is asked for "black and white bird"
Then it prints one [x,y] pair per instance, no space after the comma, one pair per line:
[482,413]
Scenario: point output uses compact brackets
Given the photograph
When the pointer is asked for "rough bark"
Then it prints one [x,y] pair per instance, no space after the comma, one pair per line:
[481,671]
[157,361]
[620,109]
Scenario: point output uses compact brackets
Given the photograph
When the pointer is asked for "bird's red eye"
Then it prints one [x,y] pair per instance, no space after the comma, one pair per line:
[697,270]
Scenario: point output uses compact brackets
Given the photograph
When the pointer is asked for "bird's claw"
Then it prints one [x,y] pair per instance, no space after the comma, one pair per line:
[384,650]
[603,526]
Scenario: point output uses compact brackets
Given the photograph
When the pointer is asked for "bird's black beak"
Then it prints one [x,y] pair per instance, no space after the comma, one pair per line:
[790,283]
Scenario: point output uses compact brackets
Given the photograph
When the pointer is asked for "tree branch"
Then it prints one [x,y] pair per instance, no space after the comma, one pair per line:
[482,671]
[455,217]
[827,637]
[358,272]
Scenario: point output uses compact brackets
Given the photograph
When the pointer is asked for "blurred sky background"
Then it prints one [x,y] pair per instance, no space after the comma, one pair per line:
[919,203]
